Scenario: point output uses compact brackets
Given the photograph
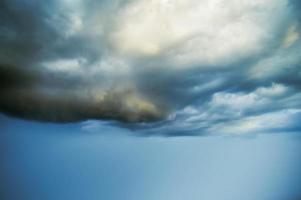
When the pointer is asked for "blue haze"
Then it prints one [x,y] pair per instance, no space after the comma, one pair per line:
[58,162]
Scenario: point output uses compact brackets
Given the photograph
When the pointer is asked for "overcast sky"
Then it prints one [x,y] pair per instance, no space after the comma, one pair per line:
[185,67]
[150,99]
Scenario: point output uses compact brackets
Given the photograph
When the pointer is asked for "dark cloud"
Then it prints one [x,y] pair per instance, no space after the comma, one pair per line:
[64,61]
[69,107]
[34,32]
[14,77]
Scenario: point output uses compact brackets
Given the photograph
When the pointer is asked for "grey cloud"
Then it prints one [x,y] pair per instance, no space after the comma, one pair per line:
[170,86]
[232,113]
[68,106]
[34,32]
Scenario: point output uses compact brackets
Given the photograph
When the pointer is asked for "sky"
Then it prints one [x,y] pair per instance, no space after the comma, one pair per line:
[198,67]
[62,162]
[150,85]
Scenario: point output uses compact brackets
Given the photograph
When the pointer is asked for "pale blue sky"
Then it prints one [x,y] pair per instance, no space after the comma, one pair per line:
[46,161]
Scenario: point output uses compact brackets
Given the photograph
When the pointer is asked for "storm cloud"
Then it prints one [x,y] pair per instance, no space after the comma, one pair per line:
[161,67]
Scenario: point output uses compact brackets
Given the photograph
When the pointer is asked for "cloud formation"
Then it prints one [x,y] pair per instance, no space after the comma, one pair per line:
[167,67]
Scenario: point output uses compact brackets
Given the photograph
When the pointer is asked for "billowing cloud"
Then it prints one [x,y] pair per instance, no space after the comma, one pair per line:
[161,67]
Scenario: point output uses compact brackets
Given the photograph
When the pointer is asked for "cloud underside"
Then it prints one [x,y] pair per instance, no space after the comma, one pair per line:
[158,67]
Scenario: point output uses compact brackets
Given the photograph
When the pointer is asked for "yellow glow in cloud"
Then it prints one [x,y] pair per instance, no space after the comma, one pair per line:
[291,37]
[193,31]
[127,100]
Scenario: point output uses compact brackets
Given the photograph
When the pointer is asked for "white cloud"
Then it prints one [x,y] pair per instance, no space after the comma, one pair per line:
[236,101]
[197,32]
[65,65]
[274,121]
[275,90]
